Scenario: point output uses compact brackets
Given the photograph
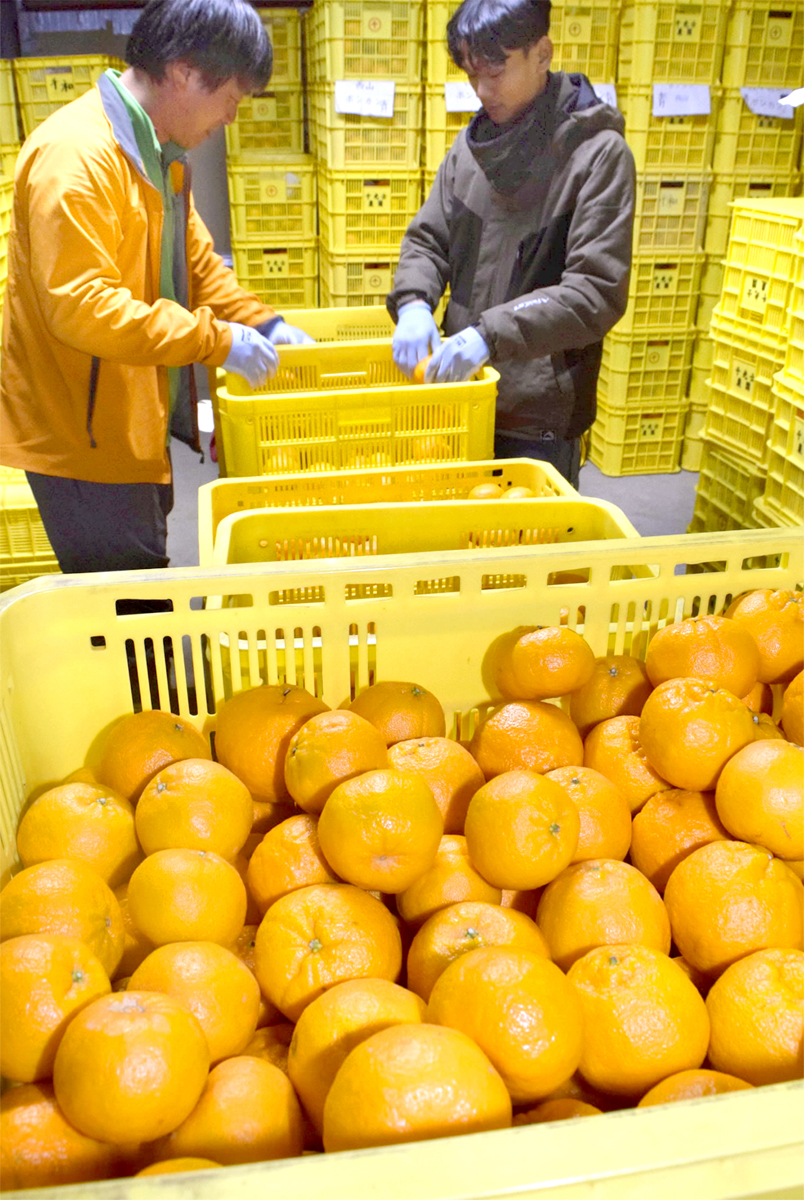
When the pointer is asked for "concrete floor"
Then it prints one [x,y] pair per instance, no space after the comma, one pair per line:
[655,504]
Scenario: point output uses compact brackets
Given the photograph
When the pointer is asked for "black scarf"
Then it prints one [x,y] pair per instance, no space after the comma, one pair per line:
[505,153]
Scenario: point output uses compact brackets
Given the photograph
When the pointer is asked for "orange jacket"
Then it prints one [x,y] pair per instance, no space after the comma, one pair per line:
[83,291]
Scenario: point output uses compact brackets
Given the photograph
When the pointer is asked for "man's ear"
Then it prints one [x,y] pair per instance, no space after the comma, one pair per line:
[178,73]
[544,51]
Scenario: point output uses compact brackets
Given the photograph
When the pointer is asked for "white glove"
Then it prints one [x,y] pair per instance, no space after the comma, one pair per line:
[460,357]
[415,337]
[283,334]
[252,356]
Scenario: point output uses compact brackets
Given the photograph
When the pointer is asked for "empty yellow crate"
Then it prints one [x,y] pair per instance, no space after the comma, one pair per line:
[363,212]
[356,279]
[670,212]
[701,370]
[784,489]
[766,518]
[764,45]
[378,485]
[439,67]
[25,551]
[667,144]
[274,199]
[747,142]
[644,441]
[662,293]
[9,126]
[284,276]
[269,123]
[440,127]
[379,39]
[741,402]
[283,27]
[671,43]
[45,84]
[345,141]
[692,446]
[340,406]
[794,359]
[727,488]
[342,324]
[637,370]
[747,188]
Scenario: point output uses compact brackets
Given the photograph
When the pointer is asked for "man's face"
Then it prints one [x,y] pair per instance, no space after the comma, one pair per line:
[506,89]
[196,112]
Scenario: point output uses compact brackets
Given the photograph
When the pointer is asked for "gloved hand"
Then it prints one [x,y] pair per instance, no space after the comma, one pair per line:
[283,334]
[459,358]
[415,337]
[252,356]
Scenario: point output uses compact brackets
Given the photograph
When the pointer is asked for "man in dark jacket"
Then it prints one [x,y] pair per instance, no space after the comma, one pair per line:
[529,223]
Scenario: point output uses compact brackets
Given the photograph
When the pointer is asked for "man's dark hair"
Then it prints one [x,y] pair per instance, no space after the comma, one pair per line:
[487,28]
[223,39]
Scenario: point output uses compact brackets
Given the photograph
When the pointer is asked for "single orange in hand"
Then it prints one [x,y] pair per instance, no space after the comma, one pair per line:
[592,903]
[528,735]
[614,750]
[535,662]
[757,1012]
[328,749]
[670,826]
[402,1085]
[420,368]
[44,980]
[775,620]
[65,896]
[381,830]
[617,687]
[187,896]
[690,730]
[793,710]
[643,1019]
[728,899]
[716,650]
[464,927]
[447,768]
[212,982]
[194,805]
[520,1010]
[451,879]
[760,797]
[319,936]
[130,1067]
[141,744]
[83,821]
[691,1085]
[400,711]
[330,1028]
[247,1112]
[288,857]
[521,830]
[253,731]
[603,811]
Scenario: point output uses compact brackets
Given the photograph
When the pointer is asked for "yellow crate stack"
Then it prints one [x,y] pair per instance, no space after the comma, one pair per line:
[272,181]
[10,128]
[45,84]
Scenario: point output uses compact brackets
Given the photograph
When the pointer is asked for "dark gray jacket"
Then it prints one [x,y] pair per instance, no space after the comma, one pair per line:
[530,226]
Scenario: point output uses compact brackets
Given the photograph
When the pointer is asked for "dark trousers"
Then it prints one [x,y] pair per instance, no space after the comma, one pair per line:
[562,453]
[104,526]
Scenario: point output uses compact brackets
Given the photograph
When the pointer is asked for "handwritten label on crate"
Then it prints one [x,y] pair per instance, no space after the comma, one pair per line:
[606,92]
[687,25]
[665,278]
[742,377]
[276,262]
[754,295]
[460,96]
[60,83]
[376,195]
[672,195]
[365,97]
[765,102]
[681,100]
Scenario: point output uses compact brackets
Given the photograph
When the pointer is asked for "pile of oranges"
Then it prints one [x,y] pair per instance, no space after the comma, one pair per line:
[335,929]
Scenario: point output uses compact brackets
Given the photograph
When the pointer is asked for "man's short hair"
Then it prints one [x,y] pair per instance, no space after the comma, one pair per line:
[223,39]
[488,28]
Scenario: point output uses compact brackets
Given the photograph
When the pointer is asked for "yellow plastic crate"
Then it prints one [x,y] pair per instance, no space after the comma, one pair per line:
[342,324]
[671,43]
[355,279]
[727,488]
[8,159]
[283,27]
[45,84]
[645,441]
[667,144]
[440,128]
[764,45]
[284,276]
[637,370]
[379,39]
[273,199]
[361,212]
[9,123]
[25,551]
[741,402]
[670,212]
[341,406]
[751,188]
[345,141]
[765,518]
[794,359]
[710,288]
[662,293]
[432,484]
[702,354]
[439,67]
[747,142]
[272,122]
[784,489]
[692,446]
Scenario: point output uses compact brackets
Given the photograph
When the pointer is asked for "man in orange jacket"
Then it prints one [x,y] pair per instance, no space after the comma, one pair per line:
[114,288]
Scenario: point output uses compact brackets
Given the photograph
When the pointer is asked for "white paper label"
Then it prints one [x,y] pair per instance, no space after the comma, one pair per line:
[460,96]
[606,92]
[365,97]
[681,100]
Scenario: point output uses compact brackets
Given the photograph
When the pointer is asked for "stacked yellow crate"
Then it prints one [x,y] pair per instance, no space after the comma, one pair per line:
[10,135]
[364,64]
[668,74]
[45,84]
[272,182]
[749,330]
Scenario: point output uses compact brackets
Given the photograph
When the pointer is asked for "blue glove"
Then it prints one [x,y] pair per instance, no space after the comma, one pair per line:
[283,334]
[416,336]
[252,356]
[459,358]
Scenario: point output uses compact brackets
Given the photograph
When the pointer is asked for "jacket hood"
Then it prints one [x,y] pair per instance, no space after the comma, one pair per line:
[566,113]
